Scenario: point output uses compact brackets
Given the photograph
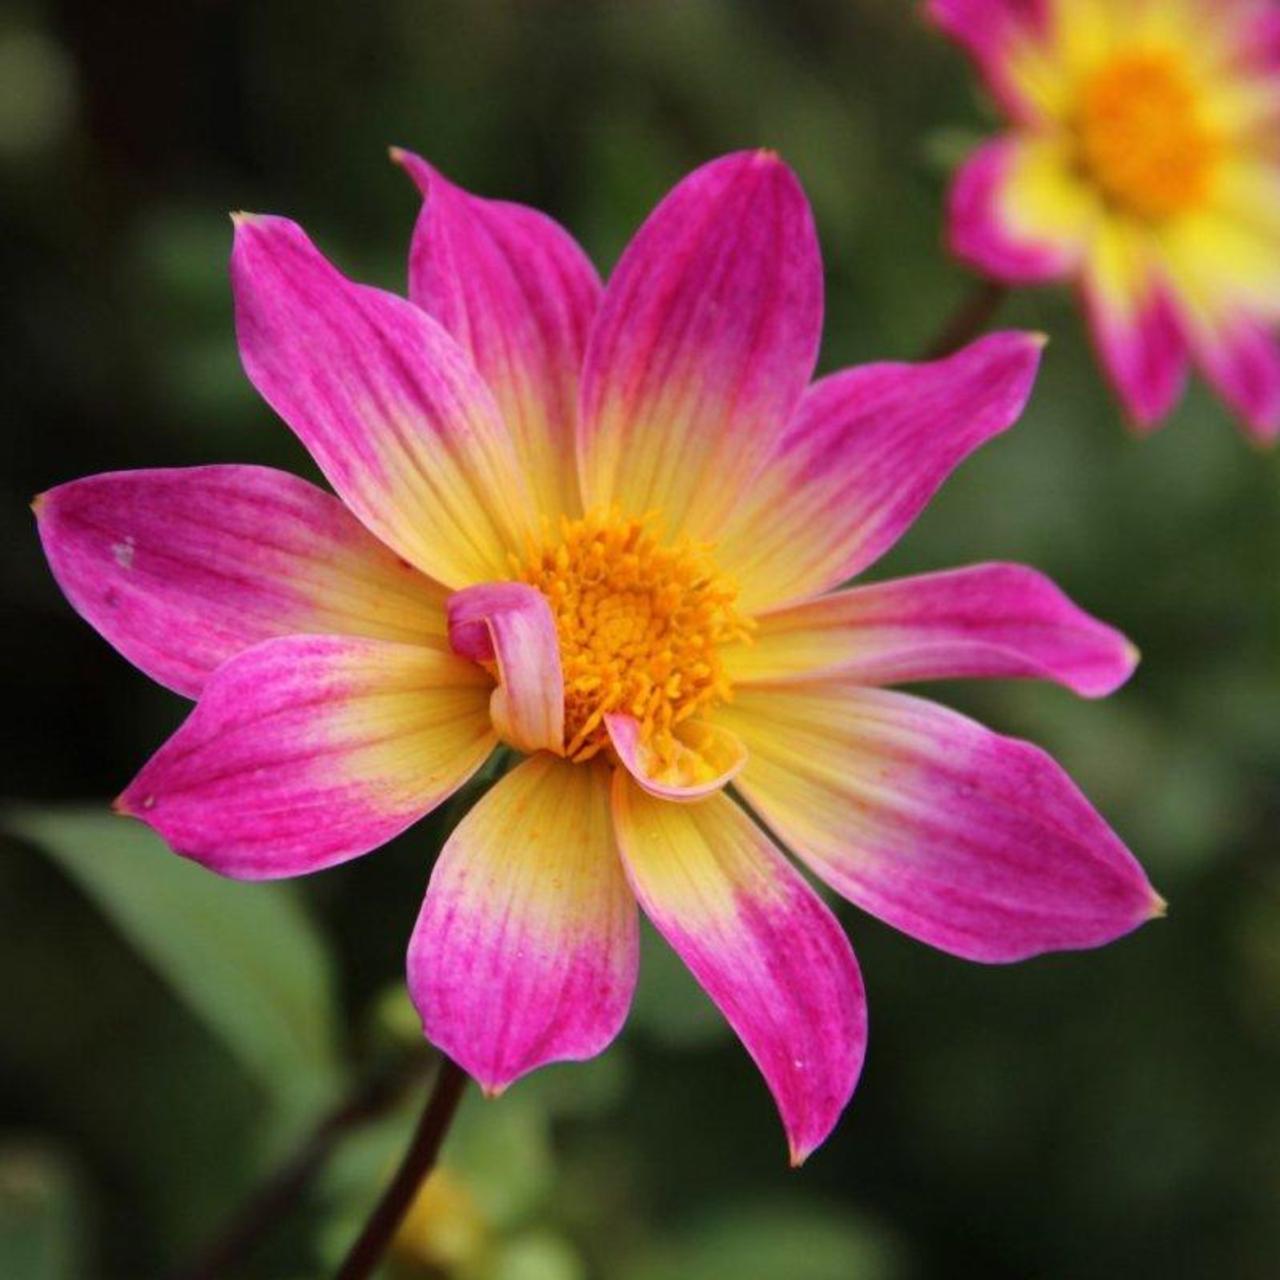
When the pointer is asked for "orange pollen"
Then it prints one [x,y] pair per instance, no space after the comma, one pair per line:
[1141,137]
[640,627]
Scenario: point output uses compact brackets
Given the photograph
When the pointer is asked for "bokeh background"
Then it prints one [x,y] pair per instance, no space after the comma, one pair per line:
[167,1038]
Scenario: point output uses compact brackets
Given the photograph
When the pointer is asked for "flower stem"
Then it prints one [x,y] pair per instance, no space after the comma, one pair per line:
[972,316]
[226,1253]
[442,1104]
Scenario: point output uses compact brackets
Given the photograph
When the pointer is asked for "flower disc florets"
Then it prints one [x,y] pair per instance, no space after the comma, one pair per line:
[640,626]
[1142,139]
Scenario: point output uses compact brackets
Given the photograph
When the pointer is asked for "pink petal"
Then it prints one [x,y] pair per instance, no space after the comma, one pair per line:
[863,455]
[1251,31]
[991,31]
[519,295]
[974,843]
[182,569]
[526,948]
[387,403]
[985,620]
[305,751]
[708,758]
[981,229]
[1140,344]
[760,942]
[705,340]
[511,624]
[1241,357]
[1263,45]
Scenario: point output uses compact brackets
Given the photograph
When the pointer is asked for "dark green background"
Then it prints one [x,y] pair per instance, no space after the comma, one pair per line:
[1105,1114]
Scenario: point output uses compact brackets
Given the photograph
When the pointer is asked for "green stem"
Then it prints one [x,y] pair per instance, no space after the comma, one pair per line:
[970,319]
[419,1160]
[226,1253]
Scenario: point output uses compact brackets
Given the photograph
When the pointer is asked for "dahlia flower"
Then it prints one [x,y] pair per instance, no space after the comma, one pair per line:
[606,527]
[1142,162]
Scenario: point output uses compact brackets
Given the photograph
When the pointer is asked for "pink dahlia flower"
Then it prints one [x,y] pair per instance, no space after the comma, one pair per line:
[605,526]
[1142,163]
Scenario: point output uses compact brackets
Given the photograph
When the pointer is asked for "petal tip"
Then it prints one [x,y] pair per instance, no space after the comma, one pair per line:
[1125,660]
[135,802]
[1158,908]
[39,503]
[419,171]
[1142,422]
[1262,436]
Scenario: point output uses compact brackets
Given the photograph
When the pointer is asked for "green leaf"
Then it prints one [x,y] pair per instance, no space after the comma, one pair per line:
[538,1255]
[767,1240]
[244,958]
[40,1222]
[502,1151]
[669,1005]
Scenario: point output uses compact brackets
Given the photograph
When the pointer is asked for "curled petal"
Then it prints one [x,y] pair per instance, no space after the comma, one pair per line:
[865,452]
[972,842]
[704,342]
[181,569]
[707,758]
[525,951]
[519,295]
[386,401]
[511,624]
[996,620]
[305,751]
[761,944]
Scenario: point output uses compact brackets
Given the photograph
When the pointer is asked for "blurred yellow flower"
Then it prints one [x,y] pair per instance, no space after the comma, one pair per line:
[1143,163]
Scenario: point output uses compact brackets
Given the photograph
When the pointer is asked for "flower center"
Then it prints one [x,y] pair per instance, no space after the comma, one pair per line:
[640,625]
[1141,137]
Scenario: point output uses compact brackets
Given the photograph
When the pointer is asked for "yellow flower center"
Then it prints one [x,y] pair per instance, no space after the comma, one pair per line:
[640,627]
[1141,136]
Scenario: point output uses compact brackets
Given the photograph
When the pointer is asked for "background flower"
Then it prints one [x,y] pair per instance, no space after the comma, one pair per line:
[1142,164]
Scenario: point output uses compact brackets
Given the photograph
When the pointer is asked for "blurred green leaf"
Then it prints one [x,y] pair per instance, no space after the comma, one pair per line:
[944,150]
[39,1216]
[766,1241]
[669,1005]
[501,1149]
[244,958]
[591,1088]
[536,1256]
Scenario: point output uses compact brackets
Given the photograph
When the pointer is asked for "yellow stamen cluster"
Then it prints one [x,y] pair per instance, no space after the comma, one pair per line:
[640,625]
[1141,135]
